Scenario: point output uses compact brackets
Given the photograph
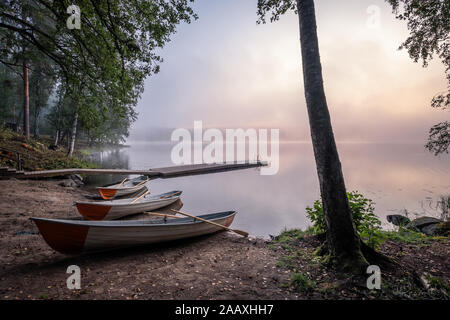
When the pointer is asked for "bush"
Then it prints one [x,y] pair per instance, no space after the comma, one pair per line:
[366,222]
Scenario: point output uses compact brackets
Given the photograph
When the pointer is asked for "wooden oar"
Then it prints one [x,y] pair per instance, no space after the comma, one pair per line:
[146,192]
[242,233]
[122,182]
[142,182]
[162,215]
[170,195]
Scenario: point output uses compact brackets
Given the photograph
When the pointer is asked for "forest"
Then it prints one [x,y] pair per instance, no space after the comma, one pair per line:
[70,75]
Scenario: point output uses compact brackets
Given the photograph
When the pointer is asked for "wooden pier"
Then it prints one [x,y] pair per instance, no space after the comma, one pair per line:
[166,172]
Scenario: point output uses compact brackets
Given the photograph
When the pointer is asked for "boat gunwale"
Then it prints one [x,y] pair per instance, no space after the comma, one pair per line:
[122,188]
[109,187]
[131,204]
[137,223]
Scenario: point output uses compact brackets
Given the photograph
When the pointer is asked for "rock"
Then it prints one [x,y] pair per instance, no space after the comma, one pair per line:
[398,220]
[427,225]
[68,183]
[77,179]
[437,229]
[424,282]
[422,222]
[444,228]
[430,230]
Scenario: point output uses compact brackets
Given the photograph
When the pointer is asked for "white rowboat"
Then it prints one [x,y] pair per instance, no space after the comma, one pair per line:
[127,187]
[115,209]
[78,236]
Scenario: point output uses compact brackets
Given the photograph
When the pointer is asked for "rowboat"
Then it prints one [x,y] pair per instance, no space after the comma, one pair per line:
[115,209]
[127,187]
[79,236]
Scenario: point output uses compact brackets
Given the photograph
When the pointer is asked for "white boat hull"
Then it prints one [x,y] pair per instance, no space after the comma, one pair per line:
[118,190]
[78,236]
[115,209]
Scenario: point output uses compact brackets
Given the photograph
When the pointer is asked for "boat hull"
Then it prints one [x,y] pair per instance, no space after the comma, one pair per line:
[122,190]
[78,236]
[115,209]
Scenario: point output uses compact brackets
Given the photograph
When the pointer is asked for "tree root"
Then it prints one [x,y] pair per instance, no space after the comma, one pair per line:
[353,264]
[377,258]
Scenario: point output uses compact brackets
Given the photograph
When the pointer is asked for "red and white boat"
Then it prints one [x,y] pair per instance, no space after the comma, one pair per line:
[115,209]
[79,236]
[124,188]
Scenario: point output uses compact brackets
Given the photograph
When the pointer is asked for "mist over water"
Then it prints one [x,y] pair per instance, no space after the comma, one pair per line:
[397,177]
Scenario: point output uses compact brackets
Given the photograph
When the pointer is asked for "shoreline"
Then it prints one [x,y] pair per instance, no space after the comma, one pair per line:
[218,266]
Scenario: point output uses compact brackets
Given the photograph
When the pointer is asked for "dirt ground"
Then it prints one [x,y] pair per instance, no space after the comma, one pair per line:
[218,266]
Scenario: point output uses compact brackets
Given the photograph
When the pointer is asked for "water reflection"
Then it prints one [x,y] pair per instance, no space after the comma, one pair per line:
[115,158]
[395,176]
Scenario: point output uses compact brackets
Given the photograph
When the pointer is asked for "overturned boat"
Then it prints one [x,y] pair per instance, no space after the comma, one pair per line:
[79,236]
[115,209]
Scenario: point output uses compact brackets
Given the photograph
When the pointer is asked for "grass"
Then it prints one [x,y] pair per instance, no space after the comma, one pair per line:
[404,235]
[302,283]
[287,241]
[35,154]
[438,283]
[288,261]
[290,235]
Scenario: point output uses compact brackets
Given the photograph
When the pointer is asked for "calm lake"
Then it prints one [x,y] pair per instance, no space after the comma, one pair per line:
[397,177]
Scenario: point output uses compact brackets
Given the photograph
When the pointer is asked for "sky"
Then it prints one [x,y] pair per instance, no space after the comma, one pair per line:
[229,72]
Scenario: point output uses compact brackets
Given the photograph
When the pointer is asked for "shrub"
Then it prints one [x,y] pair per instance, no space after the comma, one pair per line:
[366,222]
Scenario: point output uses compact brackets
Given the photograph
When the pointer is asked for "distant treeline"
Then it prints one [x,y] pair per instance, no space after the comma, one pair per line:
[78,70]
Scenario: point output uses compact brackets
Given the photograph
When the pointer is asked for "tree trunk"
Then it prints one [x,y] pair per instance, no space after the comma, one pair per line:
[342,240]
[56,138]
[62,136]
[37,105]
[73,134]
[58,124]
[14,114]
[26,102]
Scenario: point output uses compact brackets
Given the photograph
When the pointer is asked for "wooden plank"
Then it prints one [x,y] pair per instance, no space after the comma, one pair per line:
[170,172]
[166,172]
[65,172]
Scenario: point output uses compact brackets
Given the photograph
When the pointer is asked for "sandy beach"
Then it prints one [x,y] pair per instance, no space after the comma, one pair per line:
[220,266]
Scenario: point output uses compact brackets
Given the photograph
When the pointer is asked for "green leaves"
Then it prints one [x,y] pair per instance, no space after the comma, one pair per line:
[274,9]
[439,138]
[362,209]
[102,65]
[429,24]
